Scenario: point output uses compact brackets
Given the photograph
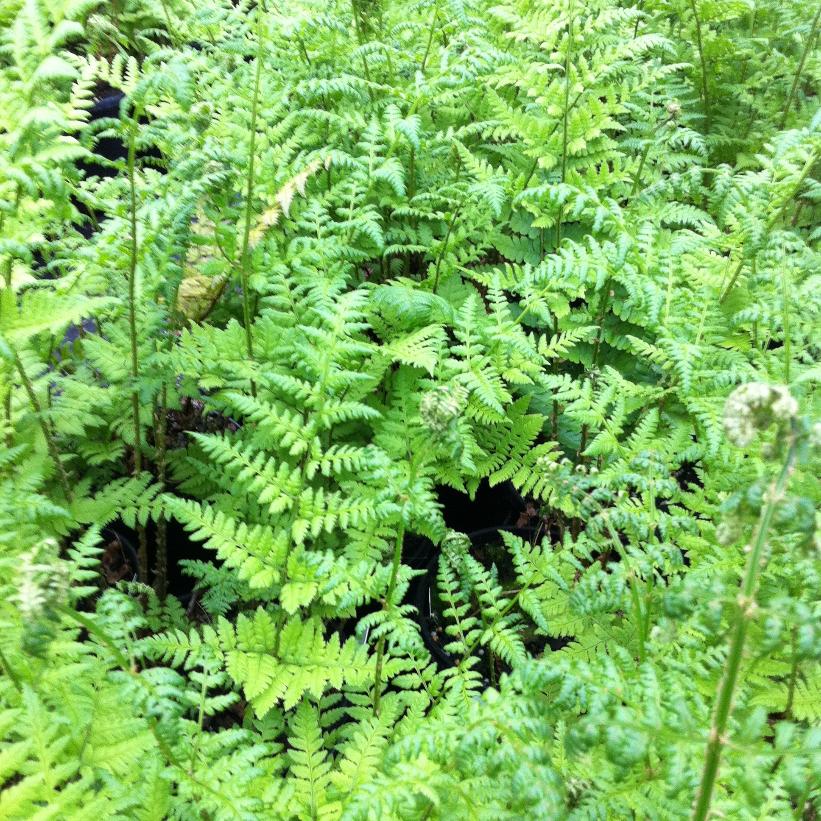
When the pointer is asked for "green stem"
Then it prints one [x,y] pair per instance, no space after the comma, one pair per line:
[785,322]
[645,154]
[200,720]
[746,609]
[7,271]
[160,431]
[595,361]
[700,45]
[800,69]
[431,32]
[142,550]
[565,118]
[172,34]
[451,223]
[245,255]
[380,648]
[360,37]
[44,426]
[7,413]
[793,676]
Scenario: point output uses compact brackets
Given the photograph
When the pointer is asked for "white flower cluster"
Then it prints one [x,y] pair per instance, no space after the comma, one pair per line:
[755,406]
[439,407]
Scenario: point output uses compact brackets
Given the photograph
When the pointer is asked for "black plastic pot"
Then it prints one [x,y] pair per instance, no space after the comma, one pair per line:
[423,590]
[179,547]
[495,506]
[119,561]
[109,148]
[107,105]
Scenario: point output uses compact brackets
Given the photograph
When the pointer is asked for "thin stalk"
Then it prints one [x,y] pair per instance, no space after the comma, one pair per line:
[410,196]
[451,223]
[360,37]
[565,118]
[8,413]
[380,647]
[705,95]
[200,720]
[44,426]
[431,32]
[746,610]
[800,69]
[774,219]
[793,676]
[160,431]
[142,550]
[554,367]
[172,33]
[7,270]
[646,153]
[595,360]
[245,255]
[785,322]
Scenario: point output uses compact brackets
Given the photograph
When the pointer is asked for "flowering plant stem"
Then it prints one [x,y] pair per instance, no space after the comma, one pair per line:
[746,611]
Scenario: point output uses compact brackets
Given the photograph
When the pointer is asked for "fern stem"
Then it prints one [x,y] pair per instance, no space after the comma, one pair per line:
[800,69]
[380,647]
[594,361]
[793,676]
[360,37]
[785,322]
[8,415]
[646,153]
[160,430]
[7,270]
[142,546]
[565,118]
[48,434]
[172,33]
[705,96]
[554,367]
[431,32]
[245,255]
[200,720]
[746,608]
[453,217]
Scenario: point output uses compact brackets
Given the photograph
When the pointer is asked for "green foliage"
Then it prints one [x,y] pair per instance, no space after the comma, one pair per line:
[319,262]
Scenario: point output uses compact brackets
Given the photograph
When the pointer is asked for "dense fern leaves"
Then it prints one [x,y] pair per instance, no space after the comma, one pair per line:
[278,279]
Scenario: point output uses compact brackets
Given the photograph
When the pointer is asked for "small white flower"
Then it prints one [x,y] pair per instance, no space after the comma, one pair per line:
[754,407]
